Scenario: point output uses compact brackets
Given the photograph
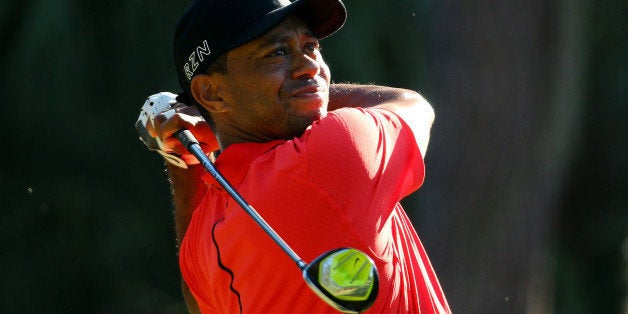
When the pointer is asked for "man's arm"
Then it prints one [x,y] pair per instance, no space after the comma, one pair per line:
[187,186]
[160,117]
[187,194]
[409,105]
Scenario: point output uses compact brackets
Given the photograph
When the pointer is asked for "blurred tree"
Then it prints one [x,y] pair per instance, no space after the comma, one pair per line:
[86,218]
[518,116]
[592,247]
[506,79]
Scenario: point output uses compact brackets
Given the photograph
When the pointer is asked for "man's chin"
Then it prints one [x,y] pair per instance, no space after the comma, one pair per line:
[319,114]
[301,123]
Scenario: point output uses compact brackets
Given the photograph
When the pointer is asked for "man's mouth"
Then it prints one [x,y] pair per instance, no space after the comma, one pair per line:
[308,91]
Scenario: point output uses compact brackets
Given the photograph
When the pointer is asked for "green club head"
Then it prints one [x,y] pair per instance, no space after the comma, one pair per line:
[345,278]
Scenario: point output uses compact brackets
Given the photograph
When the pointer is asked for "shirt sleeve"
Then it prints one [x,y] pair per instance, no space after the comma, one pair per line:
[368,159]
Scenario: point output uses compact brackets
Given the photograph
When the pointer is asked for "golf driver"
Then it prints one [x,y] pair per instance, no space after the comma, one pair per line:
[344,278]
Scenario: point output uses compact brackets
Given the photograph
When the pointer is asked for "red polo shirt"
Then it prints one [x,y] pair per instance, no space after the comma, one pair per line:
[338,185]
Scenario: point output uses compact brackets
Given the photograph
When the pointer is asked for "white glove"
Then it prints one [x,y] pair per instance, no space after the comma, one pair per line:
[155,104]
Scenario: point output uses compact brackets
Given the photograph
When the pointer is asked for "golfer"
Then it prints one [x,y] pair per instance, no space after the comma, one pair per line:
[325,164]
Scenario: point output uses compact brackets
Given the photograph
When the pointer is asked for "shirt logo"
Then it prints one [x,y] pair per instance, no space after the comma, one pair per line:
[197,56]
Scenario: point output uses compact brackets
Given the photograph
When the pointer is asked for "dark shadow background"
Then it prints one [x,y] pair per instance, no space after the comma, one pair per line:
[524,208]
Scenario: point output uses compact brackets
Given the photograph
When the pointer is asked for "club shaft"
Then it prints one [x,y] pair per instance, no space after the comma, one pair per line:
[191,144]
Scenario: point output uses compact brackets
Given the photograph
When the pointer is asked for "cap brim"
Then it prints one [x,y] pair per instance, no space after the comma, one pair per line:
[324,17]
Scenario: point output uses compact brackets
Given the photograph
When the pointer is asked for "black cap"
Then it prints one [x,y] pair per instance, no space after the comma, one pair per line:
[210,28]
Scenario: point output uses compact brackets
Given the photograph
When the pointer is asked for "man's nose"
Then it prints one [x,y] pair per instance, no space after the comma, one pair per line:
[305,65]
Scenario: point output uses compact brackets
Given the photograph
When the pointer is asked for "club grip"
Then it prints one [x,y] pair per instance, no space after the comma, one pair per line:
[186,138]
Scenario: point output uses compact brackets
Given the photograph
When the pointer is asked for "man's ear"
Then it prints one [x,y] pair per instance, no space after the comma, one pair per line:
[205,92]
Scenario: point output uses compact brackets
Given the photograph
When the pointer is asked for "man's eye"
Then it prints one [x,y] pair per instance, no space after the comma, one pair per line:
[312,47]
[278,52]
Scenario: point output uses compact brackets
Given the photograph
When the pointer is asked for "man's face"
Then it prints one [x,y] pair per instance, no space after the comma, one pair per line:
[276,85]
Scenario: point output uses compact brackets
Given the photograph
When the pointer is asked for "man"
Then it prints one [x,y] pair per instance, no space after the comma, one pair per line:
[325,164]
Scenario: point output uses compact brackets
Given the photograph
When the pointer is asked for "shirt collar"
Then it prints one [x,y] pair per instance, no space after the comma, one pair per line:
[234,161]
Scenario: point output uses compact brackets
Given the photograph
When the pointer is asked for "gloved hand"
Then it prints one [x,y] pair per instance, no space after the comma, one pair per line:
[161,116]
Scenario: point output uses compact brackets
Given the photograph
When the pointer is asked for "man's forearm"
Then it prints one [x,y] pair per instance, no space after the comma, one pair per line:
[365,96]
[188,190]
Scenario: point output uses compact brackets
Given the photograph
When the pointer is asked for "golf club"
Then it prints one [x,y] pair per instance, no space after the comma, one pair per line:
[344,278]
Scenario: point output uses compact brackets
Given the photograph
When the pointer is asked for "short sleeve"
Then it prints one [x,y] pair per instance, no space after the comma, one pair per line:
[366,158]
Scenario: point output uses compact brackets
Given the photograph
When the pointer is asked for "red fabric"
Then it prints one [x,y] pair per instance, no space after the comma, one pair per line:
[338,185]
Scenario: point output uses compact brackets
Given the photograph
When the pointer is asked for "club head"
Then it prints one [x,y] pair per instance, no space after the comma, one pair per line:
[345,278]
